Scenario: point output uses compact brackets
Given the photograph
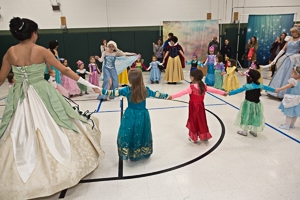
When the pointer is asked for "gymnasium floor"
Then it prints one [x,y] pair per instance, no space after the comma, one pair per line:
[228,166]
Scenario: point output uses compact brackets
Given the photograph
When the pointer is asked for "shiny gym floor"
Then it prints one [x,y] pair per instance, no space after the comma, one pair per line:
[228,166]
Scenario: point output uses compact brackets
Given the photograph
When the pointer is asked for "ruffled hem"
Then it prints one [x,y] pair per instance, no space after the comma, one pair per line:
[250,117]
[195,134]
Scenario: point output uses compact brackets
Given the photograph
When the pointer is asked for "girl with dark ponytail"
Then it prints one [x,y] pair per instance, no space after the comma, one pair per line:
[197,123]
[53,45]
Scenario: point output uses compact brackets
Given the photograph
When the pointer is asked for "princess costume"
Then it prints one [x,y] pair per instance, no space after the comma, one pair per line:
[197,123]
[94,77]
[218,77]
[135,136]
[250,116]
[210,62]
[290,104]
[285,64]
[45,145]
[59,87]
[231,81]
[155,72]
[70,85]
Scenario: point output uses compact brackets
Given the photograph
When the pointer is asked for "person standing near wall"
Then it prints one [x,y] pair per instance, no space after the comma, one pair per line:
[226,50]
[103,46]
[158,50]
[276,47]
[252,47]
[170,35]
[53,45]
[214,43]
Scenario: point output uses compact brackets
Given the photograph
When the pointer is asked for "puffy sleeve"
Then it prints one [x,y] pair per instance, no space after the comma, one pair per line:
[189,63]
[222,67]
[156,94]
[214,90]
[183,92]
[293,81]
[116,93]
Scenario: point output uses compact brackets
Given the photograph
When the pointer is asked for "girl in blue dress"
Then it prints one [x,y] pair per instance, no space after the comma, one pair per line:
[109,70]
[53,45]
[155,72]
[290,104]
[194,63]
[210,63]
[135,136]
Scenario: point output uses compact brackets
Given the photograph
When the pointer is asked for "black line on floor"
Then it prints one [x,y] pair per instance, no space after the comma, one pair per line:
[63,194]
[171,168]
[120,172]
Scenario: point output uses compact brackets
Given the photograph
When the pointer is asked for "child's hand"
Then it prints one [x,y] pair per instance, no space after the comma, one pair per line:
[223,73]
[97,90]
[214,67]
[169,97]
[226,94]
[96,57]
[277,90]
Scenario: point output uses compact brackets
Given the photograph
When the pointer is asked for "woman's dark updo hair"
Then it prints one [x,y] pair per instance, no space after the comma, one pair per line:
[22,29]
[253,77]
[52,45]
[174,39]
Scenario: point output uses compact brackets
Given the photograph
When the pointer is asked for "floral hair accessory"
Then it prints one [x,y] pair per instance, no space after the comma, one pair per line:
[253,66]
[211,48]
[195,55]
[79,62]
[139,56]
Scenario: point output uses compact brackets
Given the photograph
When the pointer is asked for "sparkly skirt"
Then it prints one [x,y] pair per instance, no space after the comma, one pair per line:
[251,116]
[135,136]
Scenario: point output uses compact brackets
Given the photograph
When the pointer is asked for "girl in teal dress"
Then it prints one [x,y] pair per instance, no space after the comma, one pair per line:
[53,45]
[135,136]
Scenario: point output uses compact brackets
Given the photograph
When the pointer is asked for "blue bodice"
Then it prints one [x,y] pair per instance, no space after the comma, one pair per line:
[154,64]
[109,61]
[294,90]
[126,92]
[292,47]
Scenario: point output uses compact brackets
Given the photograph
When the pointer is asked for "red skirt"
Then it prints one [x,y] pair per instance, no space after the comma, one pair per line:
[197,123]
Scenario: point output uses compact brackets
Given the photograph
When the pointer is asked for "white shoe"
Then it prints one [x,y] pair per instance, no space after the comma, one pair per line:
[253,133]
[190,139]
[243,133]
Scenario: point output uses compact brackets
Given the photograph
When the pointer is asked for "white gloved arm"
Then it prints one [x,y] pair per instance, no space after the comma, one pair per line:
[86,83]
[266,66]
[281,52]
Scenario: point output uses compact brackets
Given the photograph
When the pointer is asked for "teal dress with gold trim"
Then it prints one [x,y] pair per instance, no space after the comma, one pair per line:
[135,136]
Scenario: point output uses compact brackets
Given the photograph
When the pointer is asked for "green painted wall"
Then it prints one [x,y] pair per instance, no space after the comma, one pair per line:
[79,44]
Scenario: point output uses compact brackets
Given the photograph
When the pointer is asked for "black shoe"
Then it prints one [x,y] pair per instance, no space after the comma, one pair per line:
[157,82]
[152,82]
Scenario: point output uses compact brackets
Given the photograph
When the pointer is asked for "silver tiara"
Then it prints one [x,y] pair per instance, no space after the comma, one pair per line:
[21,26]
[297,28]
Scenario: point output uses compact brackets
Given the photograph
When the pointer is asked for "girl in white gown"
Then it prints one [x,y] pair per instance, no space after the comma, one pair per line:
[45,145]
